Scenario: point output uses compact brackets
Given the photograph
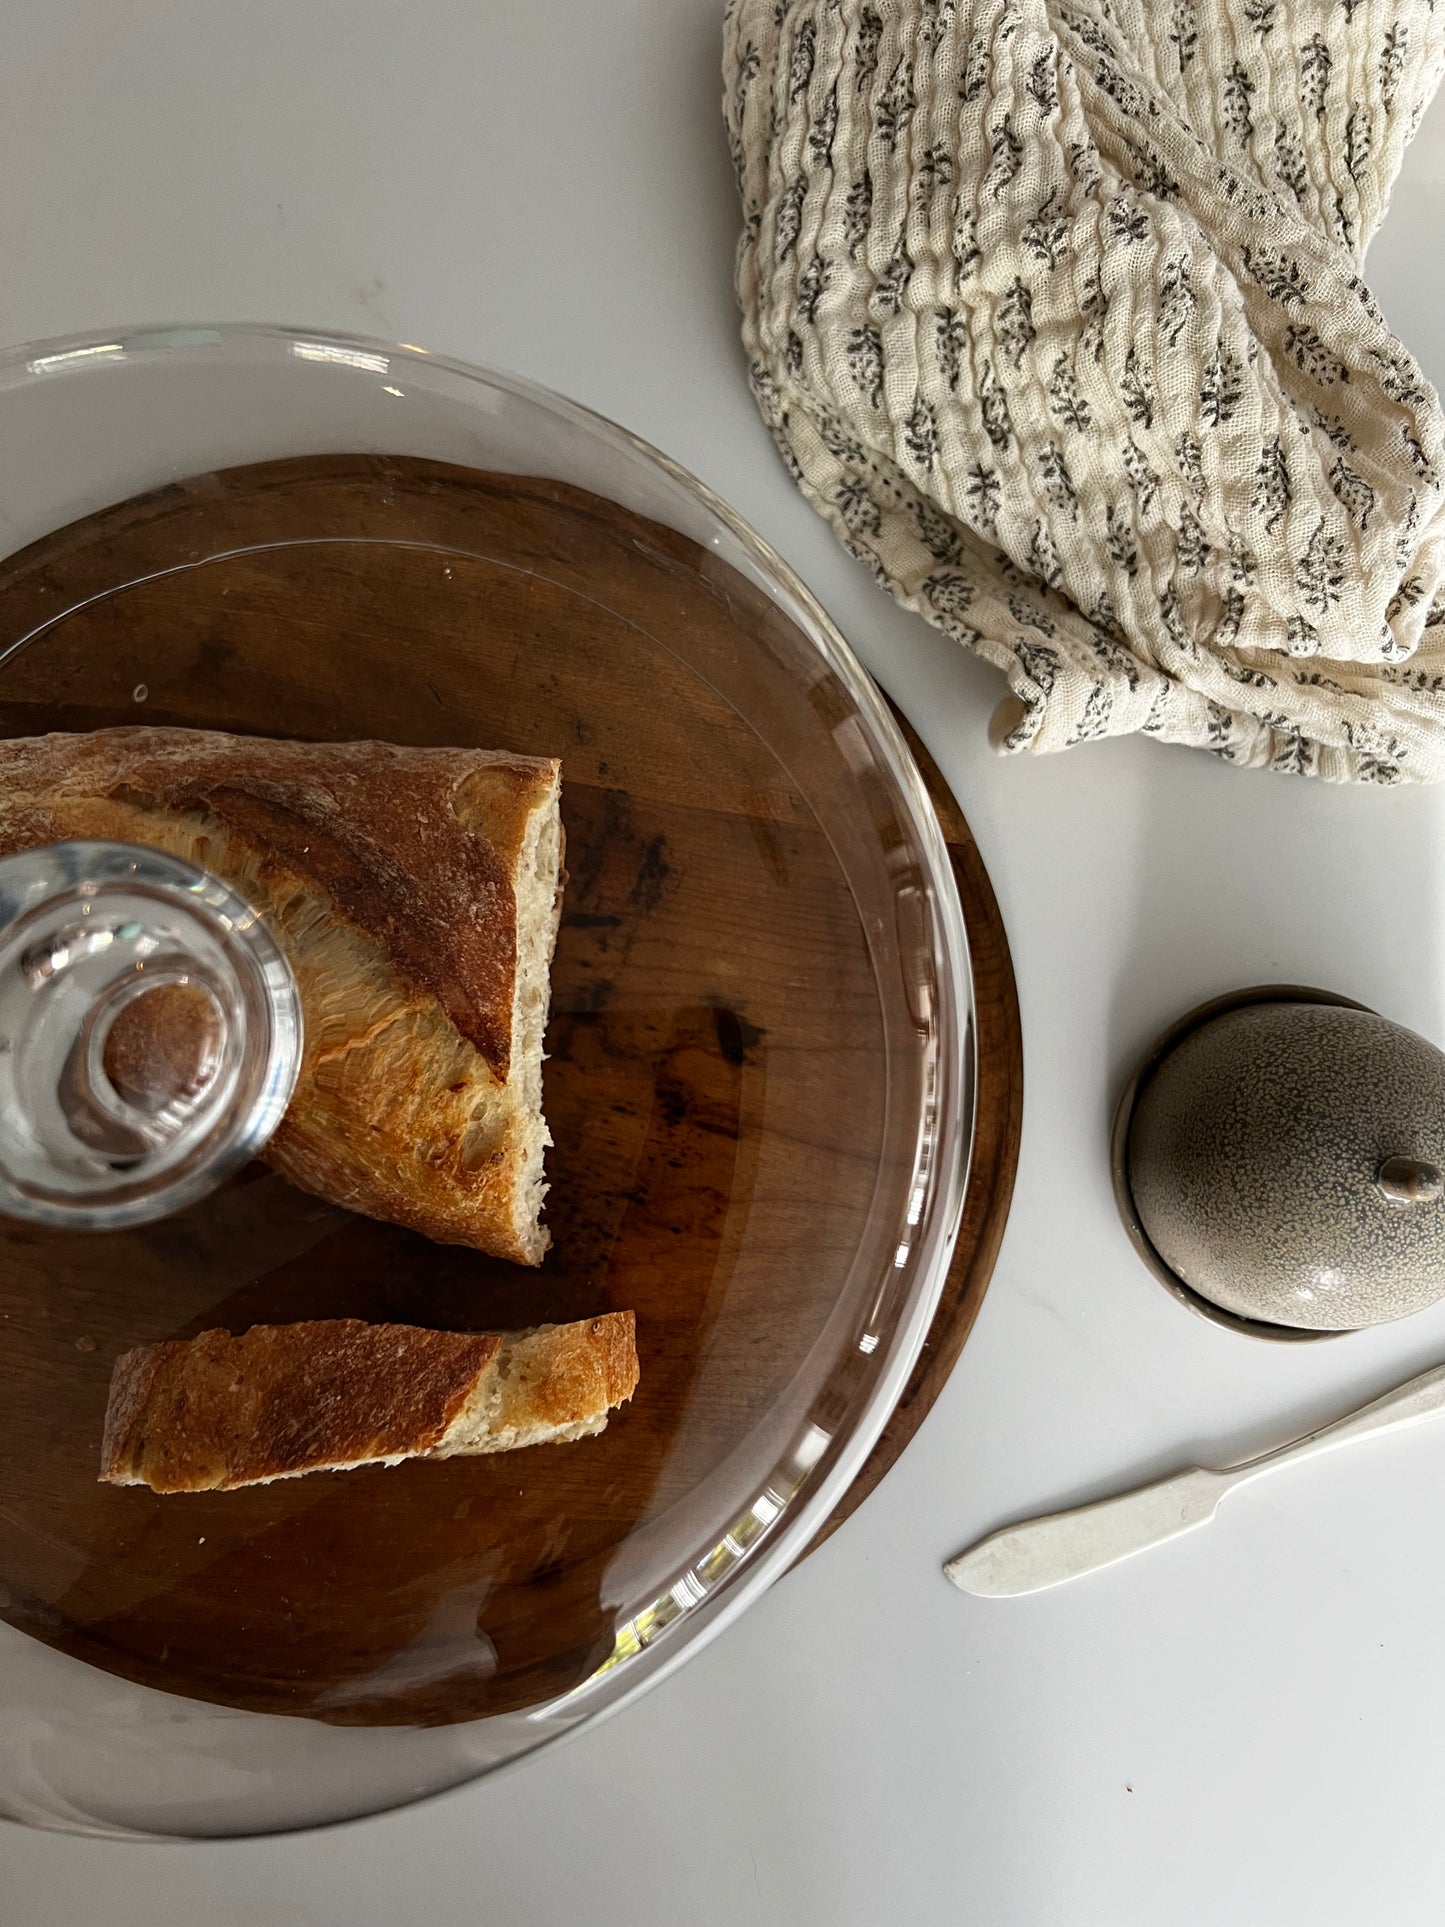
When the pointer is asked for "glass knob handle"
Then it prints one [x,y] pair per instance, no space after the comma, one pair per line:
[150,1034]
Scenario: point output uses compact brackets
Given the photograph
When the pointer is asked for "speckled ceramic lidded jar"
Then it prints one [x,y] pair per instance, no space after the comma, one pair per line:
[1281,1159]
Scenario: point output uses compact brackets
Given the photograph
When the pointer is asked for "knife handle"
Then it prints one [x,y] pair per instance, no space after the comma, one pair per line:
[1408,1404]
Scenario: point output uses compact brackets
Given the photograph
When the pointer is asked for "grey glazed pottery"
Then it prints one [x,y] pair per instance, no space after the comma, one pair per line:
[1278,1161]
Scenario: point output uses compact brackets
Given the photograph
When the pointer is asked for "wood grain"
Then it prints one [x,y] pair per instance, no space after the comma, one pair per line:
[715,1085]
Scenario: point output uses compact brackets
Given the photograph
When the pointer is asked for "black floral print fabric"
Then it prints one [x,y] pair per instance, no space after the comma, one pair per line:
[1056,311]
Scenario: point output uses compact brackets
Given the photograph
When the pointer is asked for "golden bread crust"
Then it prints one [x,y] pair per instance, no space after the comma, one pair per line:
[380,830]
[588,1366]
[215,1412]
[389,877]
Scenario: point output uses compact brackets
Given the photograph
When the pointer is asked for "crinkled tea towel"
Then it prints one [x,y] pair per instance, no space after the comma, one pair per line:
[1056,314]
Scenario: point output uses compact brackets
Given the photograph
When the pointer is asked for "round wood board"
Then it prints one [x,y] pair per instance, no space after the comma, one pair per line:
[711,951]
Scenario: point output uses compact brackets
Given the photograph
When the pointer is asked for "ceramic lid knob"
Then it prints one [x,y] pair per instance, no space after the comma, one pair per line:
[1285,1161]
[1409,1181]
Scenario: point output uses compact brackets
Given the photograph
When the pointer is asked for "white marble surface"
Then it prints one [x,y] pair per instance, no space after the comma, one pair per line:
[1242,1727]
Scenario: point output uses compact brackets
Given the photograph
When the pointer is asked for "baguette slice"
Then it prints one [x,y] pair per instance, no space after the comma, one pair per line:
[416,893]
[212,1413]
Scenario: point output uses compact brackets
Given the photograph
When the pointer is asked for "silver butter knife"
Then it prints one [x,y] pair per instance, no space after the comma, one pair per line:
[1065,1545]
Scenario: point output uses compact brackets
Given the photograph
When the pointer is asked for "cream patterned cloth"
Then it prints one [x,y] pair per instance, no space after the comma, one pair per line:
[1056,313]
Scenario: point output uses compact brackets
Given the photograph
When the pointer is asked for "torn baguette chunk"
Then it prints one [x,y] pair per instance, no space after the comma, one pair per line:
[212,1413]
[416,893]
